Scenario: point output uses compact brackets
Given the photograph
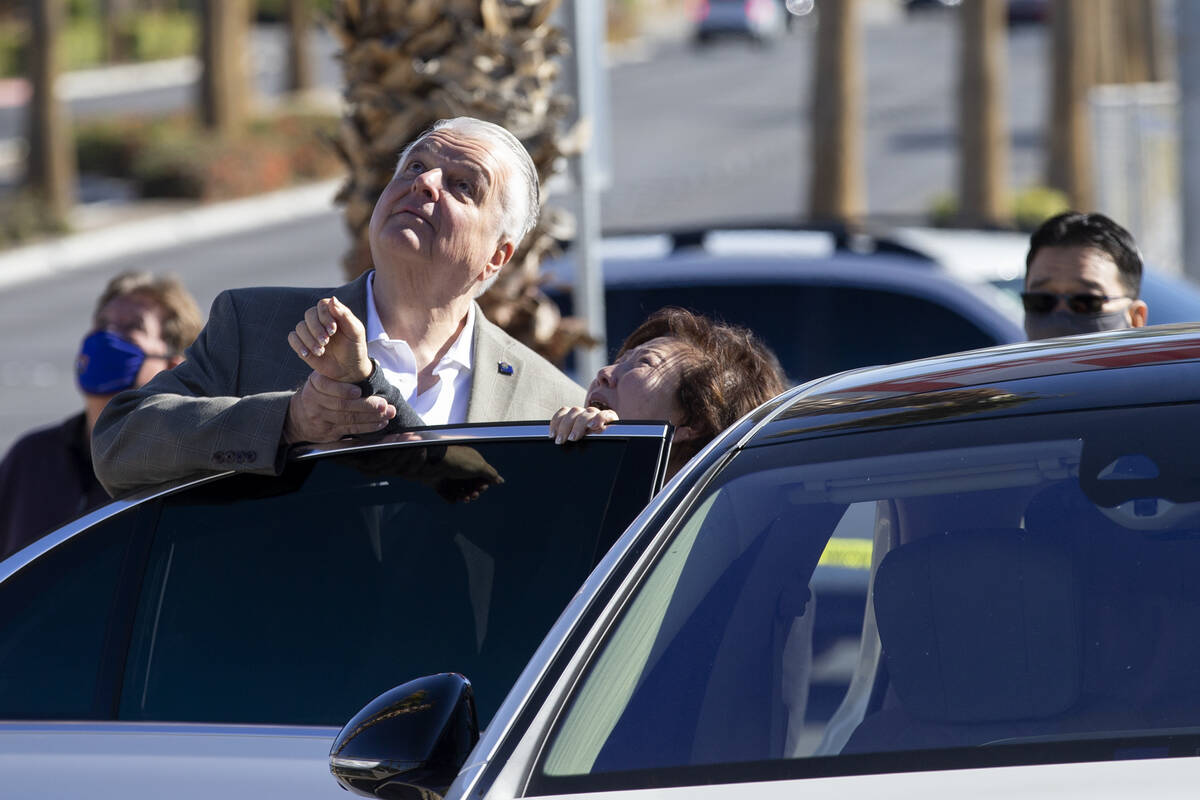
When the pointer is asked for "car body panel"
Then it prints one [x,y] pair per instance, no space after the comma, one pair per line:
[123,760]
[1131,372]
[1114,780]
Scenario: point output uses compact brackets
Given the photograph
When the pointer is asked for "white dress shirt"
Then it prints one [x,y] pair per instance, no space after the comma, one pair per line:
[446,401]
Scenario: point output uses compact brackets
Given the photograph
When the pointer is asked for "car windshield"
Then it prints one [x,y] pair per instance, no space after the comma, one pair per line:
[1022,580]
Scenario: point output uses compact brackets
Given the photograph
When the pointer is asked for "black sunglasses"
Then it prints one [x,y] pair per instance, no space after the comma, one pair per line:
[1045,302]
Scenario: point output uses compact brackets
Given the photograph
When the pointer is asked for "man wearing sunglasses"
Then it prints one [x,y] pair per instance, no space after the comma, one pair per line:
[1083,274]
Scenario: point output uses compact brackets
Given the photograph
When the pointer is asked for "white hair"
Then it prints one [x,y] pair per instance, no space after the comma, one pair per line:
[521,193]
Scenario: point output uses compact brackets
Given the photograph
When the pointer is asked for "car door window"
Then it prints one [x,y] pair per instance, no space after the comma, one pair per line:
[56,615]
[297,600]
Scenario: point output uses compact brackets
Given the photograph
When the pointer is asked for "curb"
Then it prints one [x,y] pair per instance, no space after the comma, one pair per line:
[170,229]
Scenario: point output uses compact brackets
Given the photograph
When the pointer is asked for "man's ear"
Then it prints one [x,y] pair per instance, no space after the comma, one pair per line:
[501,256]
[174,361]
[1138,312]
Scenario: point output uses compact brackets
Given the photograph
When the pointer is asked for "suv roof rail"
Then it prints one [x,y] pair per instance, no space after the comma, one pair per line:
[846,238]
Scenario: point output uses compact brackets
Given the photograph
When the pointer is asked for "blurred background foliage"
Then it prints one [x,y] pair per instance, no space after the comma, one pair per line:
[146,30]
[174,157]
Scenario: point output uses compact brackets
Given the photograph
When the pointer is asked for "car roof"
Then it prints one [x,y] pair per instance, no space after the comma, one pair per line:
[765,256]
[1069,373]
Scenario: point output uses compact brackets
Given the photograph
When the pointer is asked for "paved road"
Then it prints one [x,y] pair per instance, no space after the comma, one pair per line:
[42,323]
[699,136]
[721,133]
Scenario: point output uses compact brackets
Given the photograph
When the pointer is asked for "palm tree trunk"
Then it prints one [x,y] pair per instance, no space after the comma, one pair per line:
[1069,168]
[983,157]
[300,65]
[50,172]
[224,56]
[836,193]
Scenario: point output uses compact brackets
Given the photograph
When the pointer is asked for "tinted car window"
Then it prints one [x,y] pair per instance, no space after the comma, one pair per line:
[297,600]
[1031,592]
[55,616]
[815,330]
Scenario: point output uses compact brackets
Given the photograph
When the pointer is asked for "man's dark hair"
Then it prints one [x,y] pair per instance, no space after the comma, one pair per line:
[1075,229]
[728,373]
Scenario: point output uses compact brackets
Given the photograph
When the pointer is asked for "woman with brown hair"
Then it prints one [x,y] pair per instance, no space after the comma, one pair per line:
[699,375]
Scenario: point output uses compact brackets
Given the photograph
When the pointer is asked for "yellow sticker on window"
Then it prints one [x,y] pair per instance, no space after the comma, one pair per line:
[850,553]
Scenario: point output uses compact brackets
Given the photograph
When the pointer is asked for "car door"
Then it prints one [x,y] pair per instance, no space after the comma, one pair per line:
[294,599]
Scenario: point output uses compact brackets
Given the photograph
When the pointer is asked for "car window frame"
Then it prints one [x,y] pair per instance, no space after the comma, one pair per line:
[478,433]
[144,510]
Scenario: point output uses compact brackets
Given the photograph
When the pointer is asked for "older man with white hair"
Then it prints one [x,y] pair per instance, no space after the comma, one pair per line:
[403,345]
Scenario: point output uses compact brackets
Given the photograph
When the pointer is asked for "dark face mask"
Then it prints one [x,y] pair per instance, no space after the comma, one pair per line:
[107,364]
[1062,322]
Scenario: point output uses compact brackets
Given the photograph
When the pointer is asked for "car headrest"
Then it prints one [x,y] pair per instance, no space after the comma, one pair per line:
[980,626]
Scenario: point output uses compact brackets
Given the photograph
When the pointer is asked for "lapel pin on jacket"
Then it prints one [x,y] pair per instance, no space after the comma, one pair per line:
[504,368]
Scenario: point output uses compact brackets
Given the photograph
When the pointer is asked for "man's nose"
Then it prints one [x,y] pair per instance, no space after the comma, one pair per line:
[429,183]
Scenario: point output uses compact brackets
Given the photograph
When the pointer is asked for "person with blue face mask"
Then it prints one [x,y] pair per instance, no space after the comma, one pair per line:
[140,327]
[1083,274]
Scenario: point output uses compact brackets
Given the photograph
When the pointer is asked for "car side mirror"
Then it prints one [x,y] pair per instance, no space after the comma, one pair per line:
[409,742]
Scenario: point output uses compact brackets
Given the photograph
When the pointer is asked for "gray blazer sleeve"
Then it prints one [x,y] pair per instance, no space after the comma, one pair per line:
[191,419]
[225,406]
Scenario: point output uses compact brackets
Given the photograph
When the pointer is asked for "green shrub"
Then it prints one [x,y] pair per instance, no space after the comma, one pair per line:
[109,146]
[12,50]
[148,36]
[275,10]
[1028,208]
[172,157]
[170,168]
[1036,204]
[164,35]
[22,218]
[943,209]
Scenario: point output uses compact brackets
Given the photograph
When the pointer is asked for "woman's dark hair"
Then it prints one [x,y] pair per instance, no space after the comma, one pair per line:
[1075,229]
[727,373]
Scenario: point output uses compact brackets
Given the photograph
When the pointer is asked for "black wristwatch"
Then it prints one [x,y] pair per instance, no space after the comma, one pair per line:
[373,383]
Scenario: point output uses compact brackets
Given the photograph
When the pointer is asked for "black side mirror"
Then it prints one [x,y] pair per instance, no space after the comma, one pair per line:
[409,742]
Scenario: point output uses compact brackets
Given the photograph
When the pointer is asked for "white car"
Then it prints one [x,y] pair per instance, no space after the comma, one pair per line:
[209,639]
[1032,517]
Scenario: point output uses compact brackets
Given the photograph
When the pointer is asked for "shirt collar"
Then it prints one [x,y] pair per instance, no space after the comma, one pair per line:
[460,352]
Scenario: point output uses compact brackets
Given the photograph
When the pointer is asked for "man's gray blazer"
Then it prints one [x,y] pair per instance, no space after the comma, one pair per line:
[225,406]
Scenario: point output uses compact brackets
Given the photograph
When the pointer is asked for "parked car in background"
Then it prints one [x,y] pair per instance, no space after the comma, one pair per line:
[829,302]
[824,303]
[759,21]
[1021,12]
[207,640]
[1034,519]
